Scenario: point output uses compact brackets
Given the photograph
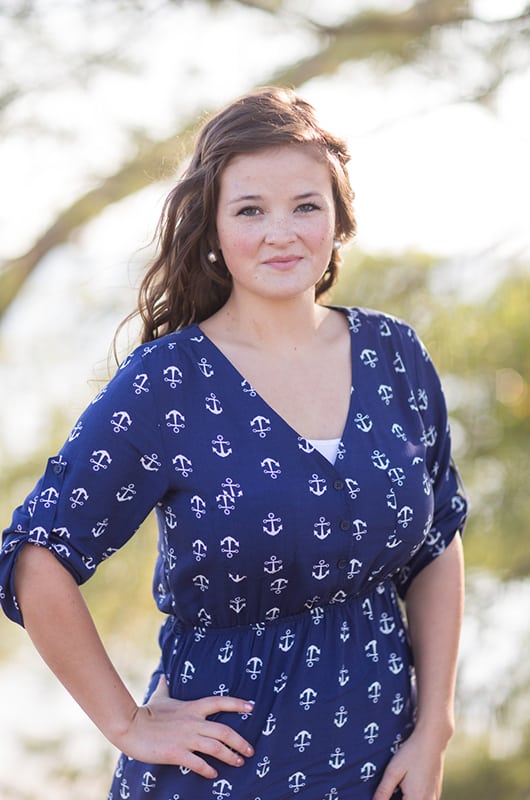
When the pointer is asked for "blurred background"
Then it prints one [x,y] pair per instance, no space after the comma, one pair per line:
[98,103]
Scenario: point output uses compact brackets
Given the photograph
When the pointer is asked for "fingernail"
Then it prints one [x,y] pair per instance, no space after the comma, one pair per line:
[249,705]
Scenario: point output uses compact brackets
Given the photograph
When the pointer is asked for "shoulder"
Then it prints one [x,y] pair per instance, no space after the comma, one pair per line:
[380,325]
[167,350]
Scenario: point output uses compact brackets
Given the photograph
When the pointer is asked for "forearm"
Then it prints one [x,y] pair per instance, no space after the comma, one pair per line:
[61,628]
[434,610]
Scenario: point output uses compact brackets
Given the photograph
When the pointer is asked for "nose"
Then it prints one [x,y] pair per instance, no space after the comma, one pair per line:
[280,230]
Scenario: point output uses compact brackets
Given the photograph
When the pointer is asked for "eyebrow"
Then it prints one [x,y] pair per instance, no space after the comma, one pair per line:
[256,197]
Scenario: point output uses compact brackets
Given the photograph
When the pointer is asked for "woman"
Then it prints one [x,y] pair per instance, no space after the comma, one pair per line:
[298,458]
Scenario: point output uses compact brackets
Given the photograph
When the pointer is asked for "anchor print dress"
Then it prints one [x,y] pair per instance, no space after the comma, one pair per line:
[279,572]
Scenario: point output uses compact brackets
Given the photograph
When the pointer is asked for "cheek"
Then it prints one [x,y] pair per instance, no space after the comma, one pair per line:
[235,242]
[320,235]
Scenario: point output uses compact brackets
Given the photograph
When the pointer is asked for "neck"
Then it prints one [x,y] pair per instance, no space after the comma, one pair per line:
[287,324]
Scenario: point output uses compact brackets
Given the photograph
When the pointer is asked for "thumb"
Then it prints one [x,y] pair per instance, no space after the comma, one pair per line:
[162,689]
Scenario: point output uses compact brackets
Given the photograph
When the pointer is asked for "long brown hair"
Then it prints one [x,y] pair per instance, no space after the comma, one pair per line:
[181,286]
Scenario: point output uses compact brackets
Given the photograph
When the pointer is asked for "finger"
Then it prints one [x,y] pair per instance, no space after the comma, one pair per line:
[162,689]
[227,736]
[389,783]
[197,764]
[206,706]
[218,750]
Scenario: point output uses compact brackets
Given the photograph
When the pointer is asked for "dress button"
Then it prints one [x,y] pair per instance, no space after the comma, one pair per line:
[344,525]
[338,485]
[342,563]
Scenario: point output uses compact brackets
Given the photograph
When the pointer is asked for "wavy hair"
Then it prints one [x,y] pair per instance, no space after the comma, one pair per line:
[181,286]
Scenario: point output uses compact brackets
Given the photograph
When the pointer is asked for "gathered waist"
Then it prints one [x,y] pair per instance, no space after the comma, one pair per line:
[314,613]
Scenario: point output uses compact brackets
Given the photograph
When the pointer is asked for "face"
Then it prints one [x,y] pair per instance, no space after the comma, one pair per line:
[276,221]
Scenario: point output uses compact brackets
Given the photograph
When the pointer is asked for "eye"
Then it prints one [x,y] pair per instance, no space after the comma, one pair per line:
[306,208]
[249,211]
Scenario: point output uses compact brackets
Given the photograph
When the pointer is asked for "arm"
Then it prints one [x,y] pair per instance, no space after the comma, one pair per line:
[165,730]
[434,609]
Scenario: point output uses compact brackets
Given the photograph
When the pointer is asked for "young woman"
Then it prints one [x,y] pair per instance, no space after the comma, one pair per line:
[298,459]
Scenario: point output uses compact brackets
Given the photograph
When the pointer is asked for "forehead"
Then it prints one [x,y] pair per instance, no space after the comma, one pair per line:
[273,165]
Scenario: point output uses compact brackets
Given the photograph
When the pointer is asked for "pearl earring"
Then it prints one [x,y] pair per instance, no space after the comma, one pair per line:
[212,258]
[336,244]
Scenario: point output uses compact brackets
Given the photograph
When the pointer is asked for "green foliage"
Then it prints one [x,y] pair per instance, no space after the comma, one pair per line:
[482,350]
[472,772]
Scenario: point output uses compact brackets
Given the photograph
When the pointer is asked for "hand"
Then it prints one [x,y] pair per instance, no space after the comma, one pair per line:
[417,768]
[169,731]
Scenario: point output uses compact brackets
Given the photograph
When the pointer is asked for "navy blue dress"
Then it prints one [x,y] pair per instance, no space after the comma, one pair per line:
[279,572]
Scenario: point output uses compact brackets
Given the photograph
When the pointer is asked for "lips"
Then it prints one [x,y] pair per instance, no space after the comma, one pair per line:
[283,262]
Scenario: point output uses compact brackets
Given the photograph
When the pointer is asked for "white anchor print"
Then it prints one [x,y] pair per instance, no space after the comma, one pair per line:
[254,667]
[308,698]
[322,528]
[270,725]
[320,570]
[175,420]
[222,788]
[340,717]
[172,376]
[78,497]
[317,486]
[261,426]
[287,640]
[398,704]
[272,525]
[205,368]
[386,393]
[150,462]
[48,497]
[263,767]
[344,676]
[148,782]
[369,357]
[139,384]
[221,447]
[302,740]
[271,467]
[100,460]
[126,493]
[120,421]
[297,781]
[183,465]
[199,549]
[100,527]
[374,691]
[226,652]
[273,565]
[337,759]
[280,683]
[279,585]
[312,655]
[371,732]
[368,771]
[198,506]
[363,422]
[76,430]
[213,405]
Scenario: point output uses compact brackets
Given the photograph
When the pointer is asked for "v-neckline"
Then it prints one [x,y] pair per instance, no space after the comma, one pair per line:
[265,403]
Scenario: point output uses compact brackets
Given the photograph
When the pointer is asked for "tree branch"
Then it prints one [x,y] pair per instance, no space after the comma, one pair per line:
[361,37]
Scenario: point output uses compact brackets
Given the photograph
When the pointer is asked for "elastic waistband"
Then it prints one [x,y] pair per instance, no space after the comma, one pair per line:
[315,614]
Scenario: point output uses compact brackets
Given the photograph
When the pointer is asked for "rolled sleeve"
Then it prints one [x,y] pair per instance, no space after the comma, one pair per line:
[96,491]
[450,500]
